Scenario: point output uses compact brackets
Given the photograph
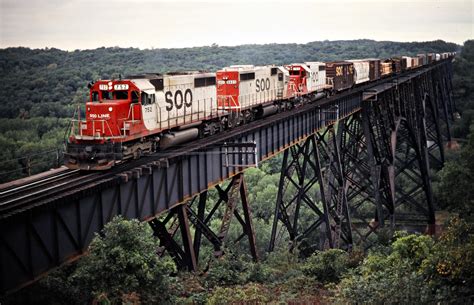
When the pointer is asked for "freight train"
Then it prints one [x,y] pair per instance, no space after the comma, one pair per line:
[140,114]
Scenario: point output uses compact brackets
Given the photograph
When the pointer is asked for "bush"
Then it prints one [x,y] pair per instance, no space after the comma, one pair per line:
[227,270]
[327,266]
[418,270]
[248,294]
[123,264]
[449,268]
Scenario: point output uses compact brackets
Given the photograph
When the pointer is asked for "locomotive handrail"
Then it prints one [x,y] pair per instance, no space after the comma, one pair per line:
[104,123]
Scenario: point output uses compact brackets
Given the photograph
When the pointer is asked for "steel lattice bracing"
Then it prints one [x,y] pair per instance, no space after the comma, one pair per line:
[350,176]
[384,151]
[185,250]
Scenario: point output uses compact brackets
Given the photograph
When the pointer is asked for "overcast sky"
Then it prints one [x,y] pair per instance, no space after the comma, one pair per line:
[86,24]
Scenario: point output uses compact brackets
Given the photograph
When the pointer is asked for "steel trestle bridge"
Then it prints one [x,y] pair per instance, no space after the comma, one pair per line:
[358,161]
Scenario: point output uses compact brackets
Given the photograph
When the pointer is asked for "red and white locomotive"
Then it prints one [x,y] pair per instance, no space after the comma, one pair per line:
[129,117]
[247,92]
[126,118]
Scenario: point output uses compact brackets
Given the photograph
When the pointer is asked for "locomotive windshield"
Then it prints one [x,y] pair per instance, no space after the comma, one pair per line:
[104,95]
[114,95]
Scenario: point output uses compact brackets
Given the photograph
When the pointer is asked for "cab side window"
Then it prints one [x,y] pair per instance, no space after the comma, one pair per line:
[134,97]
[95,96]
[147,99]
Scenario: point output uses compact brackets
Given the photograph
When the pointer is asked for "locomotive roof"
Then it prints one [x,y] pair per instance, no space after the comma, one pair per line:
[145,76]
[314,63]
[143,84]
[248,68]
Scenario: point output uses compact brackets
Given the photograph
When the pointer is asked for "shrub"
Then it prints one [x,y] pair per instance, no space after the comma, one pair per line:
[123,264]
[229,269]
[327,266]
[248,294]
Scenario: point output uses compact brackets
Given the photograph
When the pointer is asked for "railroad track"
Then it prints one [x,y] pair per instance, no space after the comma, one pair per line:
[6,195]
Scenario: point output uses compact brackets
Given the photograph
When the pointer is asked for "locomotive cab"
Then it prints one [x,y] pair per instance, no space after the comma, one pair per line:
[309,77]
[298,78]
[117,111]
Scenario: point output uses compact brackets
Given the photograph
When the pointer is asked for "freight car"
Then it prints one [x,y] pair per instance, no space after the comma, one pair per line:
[340,75]
[362,70]
[386,68]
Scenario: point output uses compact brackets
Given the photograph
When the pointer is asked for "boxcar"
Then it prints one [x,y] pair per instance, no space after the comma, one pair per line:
[430,58]
[422,60]
[362,70]
[396,63]
[340,75]
[374,68]
[385,68]
[408,62]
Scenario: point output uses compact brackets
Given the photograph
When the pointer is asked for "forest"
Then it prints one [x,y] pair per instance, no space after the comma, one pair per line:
[41,88]
[122,267]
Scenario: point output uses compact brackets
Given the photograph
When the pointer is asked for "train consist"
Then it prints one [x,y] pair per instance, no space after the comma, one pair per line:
[126,118]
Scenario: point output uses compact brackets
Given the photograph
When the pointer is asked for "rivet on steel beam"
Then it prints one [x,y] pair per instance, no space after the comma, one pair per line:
[124,177]
[156,164]
[164,163]
[136,173]
[147,170]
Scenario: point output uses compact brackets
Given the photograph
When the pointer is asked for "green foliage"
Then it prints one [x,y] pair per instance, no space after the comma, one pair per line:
[449,267]
[327,266]
[32,143]
[418,270]
[251,293]
[283,265]
[122,262]
[227,270]
[463,89]
[454,189]
[389,279]
[412,248]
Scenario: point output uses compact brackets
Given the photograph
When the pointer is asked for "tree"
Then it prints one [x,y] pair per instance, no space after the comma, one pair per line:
[392,278]
[449,269]
[122,263]
[454,189]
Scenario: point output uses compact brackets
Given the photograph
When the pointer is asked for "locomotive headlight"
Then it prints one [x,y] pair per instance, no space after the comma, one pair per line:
[110,109]
[88,108]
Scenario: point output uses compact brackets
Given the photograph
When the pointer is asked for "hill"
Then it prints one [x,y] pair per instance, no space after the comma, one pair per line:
[48,82]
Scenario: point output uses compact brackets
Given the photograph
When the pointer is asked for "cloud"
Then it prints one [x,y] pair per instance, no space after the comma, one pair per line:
[164,23]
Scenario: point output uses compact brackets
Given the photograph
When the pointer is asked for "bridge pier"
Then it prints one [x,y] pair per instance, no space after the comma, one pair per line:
[313,169]
[185,252]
